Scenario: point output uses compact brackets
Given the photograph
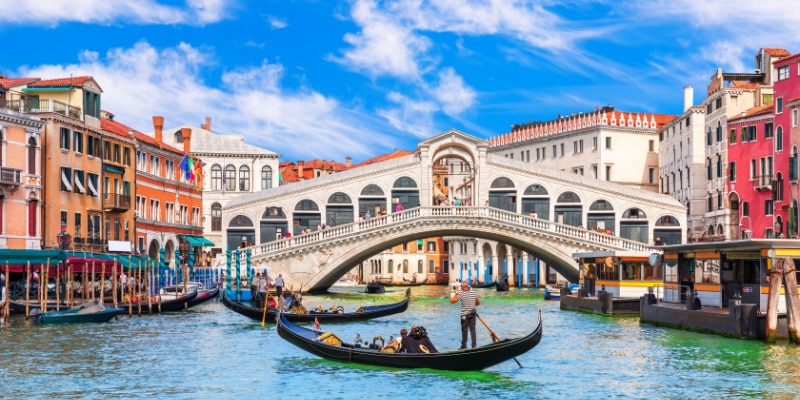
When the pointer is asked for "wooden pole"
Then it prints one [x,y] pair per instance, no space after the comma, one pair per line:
[70,285]
[775,278]
[149,286]
[6,301]
[45,276]
[103,284]
[114,283]
[58,287]
[84,281]
[495,338]
[138,285]
[28,290]
[792,300]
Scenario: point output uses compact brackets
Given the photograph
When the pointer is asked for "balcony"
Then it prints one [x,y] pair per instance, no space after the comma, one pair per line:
[117,203]
[763,183]
[50,105]
[10,177]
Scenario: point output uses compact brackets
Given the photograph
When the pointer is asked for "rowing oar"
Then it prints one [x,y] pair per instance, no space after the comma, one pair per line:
[495,338]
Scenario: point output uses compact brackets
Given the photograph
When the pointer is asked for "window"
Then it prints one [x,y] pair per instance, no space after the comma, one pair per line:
[794,117]
[64,139]
[77,141]
[431,245]
[169,169]
[555,151]
[79,186]
[594,143]
[216,177]
[768,130]
[141,160]
[32,147]
[117,153]
[244,178]
[169,209]
[768,207]
[709,204]
[266,177]
[732,171]
[783,73]
[779,105]
[793,171]
[216,217]
[608,172]
[708,137]
[751,133]
[732,136]
[77,217]
[229,180]
[66,179]
[709,173]
[745,209]
[718,105]
[719,132]
[608,142]
[651,175]
[92,184]
[779,139]
[651,145]
[431,267]
[92,146]
[562,149]
[155,210]
[126,156]
[719,167]
[708,108]
[753,170]
[155,165]
[106,150]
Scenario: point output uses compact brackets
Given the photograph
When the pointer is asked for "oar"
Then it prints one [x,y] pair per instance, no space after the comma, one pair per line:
[495,338]
[266,305]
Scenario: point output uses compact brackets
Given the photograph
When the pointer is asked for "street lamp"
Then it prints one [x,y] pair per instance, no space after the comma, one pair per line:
[63,238]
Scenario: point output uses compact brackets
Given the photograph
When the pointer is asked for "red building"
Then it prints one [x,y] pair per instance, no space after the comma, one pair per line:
[787,136]
[753,186]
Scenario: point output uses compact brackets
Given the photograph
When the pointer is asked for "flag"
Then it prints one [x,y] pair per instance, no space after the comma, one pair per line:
[184,165]
[280,178]
[198,173]
[316,324]
[190,170]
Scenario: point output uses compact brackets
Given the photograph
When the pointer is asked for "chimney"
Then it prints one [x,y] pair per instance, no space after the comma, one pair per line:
[158,124]
[207,125]
[688,97]
[348,161]
[300,169]
[186,134]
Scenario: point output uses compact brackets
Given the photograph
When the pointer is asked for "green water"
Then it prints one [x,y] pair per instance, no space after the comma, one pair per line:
[211,352]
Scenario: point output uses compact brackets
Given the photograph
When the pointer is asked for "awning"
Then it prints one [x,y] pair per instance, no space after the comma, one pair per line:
[65,181]
[17,259]
[111,168]
[92,188]
[79,184]
[198,241]
[48,89]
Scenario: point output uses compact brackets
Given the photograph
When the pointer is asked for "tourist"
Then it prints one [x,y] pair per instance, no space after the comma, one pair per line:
[396,343]
[263,284]
[254,285]
[399,207]
[367,215]
[279,285]
[469,300]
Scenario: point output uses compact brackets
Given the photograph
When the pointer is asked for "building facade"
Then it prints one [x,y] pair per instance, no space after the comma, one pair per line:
[787,140]
[20,177]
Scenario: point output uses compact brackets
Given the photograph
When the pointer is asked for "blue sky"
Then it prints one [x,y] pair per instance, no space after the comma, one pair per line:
[331,79]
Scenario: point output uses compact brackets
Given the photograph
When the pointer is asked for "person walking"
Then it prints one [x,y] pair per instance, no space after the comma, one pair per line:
[279,286]
[469,300]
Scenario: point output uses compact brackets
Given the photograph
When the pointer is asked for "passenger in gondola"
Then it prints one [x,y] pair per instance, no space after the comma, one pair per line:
[417,342]
[396,344]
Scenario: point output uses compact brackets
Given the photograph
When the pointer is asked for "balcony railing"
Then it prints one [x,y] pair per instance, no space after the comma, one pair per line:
[10,176]
[763,182]
[50,105]
[117,202]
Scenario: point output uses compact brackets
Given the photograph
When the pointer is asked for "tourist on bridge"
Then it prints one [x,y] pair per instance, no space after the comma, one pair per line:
[367,215]
[469,300]
[399,207]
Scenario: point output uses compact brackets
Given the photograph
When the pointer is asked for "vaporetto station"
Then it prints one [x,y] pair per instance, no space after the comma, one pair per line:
[454,188]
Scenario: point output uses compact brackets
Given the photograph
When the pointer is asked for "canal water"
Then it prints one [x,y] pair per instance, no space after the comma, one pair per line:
[212,352]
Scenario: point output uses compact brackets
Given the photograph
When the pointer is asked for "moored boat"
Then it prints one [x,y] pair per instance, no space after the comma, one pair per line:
[88,312]
[478,285]
[179,304]
[552,293]
[362,313]
[375,287]
[328,346]
[501,286]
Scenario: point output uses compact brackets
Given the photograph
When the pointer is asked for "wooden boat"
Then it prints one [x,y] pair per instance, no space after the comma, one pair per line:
[328,346]
[173,292]
[363,313]
[501,286]
[406,283]
[204,296]
[477,285]
[90,312]
[375,287]
[552,293]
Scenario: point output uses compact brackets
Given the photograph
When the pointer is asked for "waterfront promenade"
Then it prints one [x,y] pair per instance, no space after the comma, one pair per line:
[212,352]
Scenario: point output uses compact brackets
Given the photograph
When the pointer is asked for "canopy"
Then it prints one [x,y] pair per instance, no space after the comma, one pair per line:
[198,241]
[17,259]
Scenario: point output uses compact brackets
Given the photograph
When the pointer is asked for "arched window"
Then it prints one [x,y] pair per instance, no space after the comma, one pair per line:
[405,266]
[229,180]
[32,145]
[420,269]
[216,217]
[779,139]
[244,178]
[266,177]
[216,177]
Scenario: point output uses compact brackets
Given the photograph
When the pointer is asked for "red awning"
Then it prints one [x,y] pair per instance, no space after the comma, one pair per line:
[96,265]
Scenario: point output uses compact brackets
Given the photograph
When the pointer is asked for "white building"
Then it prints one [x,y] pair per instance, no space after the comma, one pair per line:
[682,162]
[231,168]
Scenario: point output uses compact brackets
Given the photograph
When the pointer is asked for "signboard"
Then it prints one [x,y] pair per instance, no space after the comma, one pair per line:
[121,246]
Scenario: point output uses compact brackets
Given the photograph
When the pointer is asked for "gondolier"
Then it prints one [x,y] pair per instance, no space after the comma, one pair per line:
[469,300]
[279,285]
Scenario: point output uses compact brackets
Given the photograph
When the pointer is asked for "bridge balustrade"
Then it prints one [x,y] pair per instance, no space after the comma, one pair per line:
[380,221]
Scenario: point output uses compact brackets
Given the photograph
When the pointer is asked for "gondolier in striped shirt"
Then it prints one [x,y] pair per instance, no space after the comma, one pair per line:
[469,300]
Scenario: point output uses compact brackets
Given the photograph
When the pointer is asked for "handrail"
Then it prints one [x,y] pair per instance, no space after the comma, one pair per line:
[462,212]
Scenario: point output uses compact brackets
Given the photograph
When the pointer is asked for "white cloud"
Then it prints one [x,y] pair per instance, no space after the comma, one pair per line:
[105,12]
[275,22]
[412,116]
[143,81]
[451,92]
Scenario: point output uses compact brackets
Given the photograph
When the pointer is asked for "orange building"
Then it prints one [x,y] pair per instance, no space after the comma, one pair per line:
[87,175]
[168,205]
[20,178]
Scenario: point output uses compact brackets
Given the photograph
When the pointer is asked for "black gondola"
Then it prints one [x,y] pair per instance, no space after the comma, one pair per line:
[501,286]
[475,359]
[204,296]
[179,304]
[363,313]
[406,283]
[375,287]
[482,285]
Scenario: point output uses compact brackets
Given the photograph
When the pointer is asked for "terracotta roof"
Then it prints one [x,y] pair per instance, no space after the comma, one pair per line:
[743,85]
[120,129]
[11,82]
[759,110]
[76,81]
[383,157]
[776,51]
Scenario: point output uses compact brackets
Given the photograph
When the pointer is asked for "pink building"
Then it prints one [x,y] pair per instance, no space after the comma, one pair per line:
[752,182]
[787,135]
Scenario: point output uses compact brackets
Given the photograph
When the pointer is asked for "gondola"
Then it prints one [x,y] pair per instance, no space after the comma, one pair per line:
[483,285]
[179,304]
[406,283]
[479,358]
[204,296]
[375,287]
[363,313]
[501,286]
[90,312]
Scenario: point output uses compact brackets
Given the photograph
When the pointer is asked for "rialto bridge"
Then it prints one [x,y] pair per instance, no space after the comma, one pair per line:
[451,187]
